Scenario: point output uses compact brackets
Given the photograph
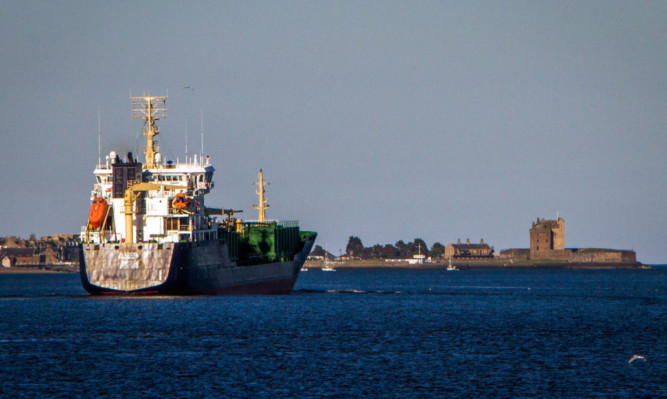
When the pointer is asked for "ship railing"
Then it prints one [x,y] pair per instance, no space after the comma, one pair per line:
[282,223]
[97,238]
[179,212]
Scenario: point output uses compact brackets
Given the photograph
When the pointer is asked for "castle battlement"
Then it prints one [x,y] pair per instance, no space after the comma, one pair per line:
[547,236]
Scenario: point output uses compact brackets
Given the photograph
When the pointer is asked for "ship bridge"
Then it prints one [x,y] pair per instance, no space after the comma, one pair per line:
[158,200]
[195,175]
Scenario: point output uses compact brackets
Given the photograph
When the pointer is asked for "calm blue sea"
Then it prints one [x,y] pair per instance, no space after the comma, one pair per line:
[348,334]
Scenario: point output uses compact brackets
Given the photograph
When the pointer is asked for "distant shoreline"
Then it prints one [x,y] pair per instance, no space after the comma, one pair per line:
[478,264]
[375,264]
[39,269]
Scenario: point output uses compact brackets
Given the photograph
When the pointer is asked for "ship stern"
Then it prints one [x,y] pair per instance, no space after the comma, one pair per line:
[121,268]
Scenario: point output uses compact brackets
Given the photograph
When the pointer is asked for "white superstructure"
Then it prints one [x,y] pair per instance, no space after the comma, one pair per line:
[159,201]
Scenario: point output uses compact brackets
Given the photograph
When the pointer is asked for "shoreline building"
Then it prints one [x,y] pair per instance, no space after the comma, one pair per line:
[547,242]
[468,250]
[59,248]
[547,236]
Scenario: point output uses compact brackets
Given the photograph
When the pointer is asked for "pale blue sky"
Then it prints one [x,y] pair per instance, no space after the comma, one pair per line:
[383,119]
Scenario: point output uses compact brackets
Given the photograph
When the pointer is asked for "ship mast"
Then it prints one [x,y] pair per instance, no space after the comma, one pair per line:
[148,108]
[262,202]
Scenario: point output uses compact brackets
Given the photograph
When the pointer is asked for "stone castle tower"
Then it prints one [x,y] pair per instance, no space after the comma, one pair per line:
[546,236]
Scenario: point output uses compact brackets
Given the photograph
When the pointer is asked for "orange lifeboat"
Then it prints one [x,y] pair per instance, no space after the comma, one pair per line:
[180,202]
[98,210]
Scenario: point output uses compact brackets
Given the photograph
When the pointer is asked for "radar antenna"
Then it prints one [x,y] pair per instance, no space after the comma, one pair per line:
[150,109]
[99,137]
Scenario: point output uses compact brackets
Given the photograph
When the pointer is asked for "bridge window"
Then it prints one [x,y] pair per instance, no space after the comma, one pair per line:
[173,224]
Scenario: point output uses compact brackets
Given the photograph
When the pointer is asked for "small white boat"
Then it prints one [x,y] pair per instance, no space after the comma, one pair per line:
[327,266]
[450,267]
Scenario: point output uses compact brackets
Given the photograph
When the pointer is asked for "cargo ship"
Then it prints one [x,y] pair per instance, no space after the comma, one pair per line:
[149,230]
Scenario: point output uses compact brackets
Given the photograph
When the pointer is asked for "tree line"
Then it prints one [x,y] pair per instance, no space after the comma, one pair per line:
[400,250]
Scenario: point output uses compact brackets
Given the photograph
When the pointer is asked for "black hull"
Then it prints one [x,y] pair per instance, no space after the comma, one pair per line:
[200,268]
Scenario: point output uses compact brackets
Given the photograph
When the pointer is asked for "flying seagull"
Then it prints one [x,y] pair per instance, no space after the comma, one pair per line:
[635,357]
